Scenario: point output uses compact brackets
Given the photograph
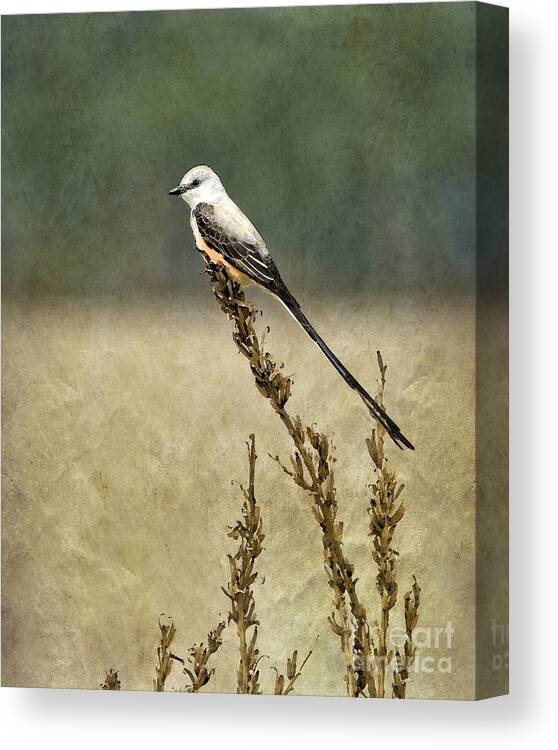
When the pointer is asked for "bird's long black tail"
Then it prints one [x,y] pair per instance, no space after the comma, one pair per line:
[375,409]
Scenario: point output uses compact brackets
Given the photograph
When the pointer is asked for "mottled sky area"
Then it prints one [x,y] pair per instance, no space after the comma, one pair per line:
[347,137]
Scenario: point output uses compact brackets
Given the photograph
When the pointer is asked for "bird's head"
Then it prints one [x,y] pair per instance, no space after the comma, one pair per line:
[199,185]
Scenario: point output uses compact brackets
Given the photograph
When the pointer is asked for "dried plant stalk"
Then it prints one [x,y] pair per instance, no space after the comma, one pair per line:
[111,680]
[292,675]
[165,658]
[250,536]
[385,513]
[404,661]
[312,470]
[198,658]
[386,510]
[341,626]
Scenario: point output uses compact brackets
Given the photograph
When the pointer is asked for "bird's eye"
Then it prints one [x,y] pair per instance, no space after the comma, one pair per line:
[195,183]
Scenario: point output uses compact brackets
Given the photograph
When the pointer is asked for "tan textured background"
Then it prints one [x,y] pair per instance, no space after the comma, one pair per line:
[123,428]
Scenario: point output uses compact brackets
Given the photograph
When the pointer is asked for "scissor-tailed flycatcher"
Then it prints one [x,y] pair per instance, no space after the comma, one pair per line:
[228,237]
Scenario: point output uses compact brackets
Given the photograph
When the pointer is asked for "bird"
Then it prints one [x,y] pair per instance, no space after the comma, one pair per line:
[227,237]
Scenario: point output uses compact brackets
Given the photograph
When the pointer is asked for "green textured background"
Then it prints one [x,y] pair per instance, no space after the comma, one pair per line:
[347,135]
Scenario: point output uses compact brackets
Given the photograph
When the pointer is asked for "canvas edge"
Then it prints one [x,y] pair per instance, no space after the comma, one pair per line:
[491,352]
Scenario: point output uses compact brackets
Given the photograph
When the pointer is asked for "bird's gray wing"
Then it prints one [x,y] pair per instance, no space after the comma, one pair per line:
[231,234]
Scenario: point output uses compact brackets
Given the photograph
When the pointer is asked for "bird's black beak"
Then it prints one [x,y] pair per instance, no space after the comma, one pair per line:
[178,190]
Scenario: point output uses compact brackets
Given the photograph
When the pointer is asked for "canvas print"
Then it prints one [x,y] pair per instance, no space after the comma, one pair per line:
[254,351]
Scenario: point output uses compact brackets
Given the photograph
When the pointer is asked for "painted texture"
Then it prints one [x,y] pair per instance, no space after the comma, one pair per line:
[348,137]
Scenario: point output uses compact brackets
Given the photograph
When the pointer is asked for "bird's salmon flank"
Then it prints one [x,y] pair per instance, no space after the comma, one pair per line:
[216,256]
[224,234]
